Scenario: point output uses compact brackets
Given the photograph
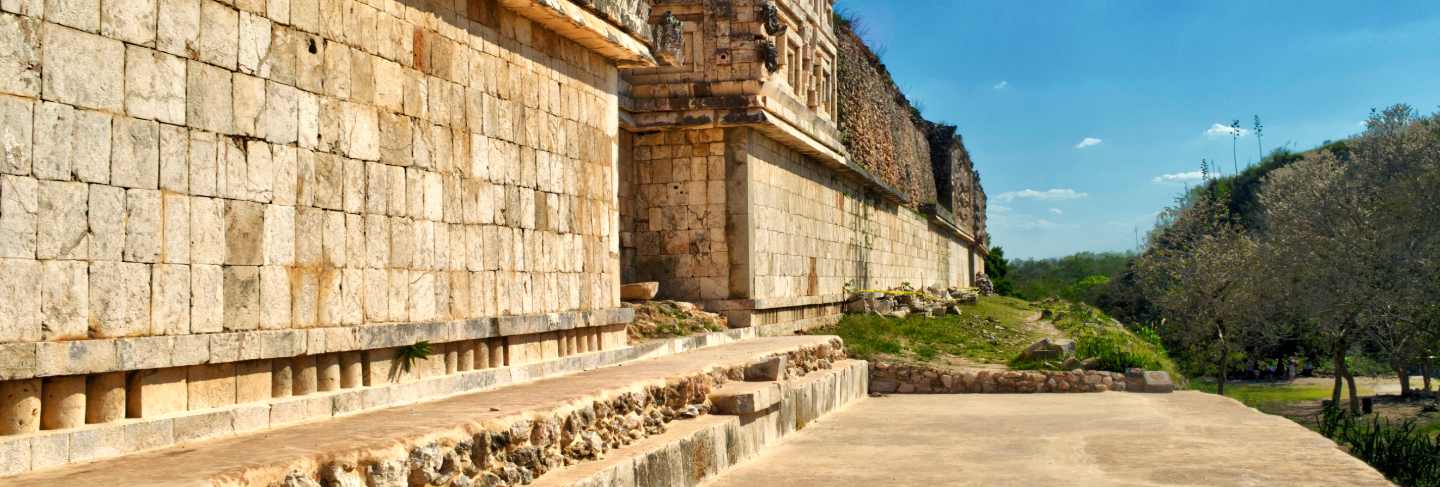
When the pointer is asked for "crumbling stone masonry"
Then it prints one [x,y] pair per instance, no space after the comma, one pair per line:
[750,183]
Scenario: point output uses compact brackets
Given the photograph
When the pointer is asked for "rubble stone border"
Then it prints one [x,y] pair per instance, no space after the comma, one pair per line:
[888,378]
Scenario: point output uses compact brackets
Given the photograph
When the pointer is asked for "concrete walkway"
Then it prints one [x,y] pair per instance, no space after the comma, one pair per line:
[1111,439]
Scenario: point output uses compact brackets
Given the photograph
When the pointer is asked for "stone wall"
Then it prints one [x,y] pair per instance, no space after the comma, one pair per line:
[672,213]
[886,378]
[883,132]
[816,232]
[205,203]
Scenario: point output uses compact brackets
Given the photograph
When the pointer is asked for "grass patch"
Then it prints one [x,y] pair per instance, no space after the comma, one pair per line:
[1114,347]
[1271,397]
[992,330]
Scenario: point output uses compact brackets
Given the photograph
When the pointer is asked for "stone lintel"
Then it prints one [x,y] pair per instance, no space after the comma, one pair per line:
[585,28]
[48,359]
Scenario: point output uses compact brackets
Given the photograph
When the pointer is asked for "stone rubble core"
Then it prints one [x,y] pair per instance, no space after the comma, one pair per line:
[544,426]
[888,378]
[903,300]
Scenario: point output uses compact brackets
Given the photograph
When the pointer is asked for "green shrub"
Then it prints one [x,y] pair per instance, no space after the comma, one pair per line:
[1099,337]
[1398,449]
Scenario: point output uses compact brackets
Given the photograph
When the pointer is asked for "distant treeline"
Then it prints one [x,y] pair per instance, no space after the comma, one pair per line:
[1079,277]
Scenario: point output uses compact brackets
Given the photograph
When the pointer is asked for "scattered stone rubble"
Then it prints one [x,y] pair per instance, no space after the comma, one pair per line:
[983,284]
[517,449]
[904,300]
[660,319]
[904,379]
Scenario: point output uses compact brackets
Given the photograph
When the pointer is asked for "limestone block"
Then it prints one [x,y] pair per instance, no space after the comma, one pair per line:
[337,69]
[380,367]
[328,297]
[219,36]
[62,402]
[174,159]
[19,209]
[355,249]
[175,228]
[105,398]
[377,305]
[149,352]
[20,54]
[254,43]
[204,164]
[54,134]
[279,119]
[354,186]
[421,302]
[20,406]
[360,130]
[119,299]
[241,297]
[329,179]
[145,435]
[232,169]
[210,386]
[275,295]
[194,427]
[305,298]
[106,221]
[15,455]
[143,231]
[171,299]
[132,21]
[253,381]
[135,154]
[362,77]
[154,84]
[209,104]
[156,392]
[62,227]
[259,171]
[279,240]
[249,102]
[84,72]
[207,230]
[206,299]
[746,397]
[352,369]
[64,299]
[178,27]
[333,239]
[284,160]
[244,233]
[395,198]
[328,373]
[278,65]
[309,243]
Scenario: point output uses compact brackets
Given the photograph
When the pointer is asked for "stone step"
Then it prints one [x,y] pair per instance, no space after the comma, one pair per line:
[477,433]
[745,397]
[693,451]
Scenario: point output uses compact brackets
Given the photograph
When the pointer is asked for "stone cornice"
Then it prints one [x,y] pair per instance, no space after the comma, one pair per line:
[587,29]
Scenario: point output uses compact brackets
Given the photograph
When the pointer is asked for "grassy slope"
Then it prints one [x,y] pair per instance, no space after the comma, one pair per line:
[994,331]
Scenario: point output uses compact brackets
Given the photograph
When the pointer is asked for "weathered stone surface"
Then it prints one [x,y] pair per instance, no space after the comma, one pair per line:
[639,291]
[20,54]
[84,72]
[154,84]
[65,300]
[62,402]
[156,392]
[131,21]
[119,299]
[770,369]
[19,216]
[135,154]
[241,297]
[209,102]
[16,136]
[19,406]
[105,398]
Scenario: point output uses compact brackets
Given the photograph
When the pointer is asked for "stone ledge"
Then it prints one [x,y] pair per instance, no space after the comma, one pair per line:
[585,28]
[381,437]
[48,359]
[45,449]
[771,303]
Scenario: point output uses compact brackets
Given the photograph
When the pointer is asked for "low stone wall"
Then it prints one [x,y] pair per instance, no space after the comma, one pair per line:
[905,379]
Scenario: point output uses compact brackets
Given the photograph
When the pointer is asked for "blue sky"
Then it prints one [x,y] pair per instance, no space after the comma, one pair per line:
[1084,117]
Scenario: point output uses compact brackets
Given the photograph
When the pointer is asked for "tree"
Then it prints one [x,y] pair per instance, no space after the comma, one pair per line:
[997,268]
[1202,281]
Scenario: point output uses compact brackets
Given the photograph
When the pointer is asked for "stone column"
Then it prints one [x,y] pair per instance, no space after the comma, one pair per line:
[452,357]
[465,356]
[19,406]
[305,376]
[62,402]
[328,366]
[352,370]
[563,337]
[497,353]
[282,379]
[482,354]
[105,398]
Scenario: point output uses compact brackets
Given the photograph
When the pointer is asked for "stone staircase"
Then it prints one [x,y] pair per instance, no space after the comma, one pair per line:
[672,419]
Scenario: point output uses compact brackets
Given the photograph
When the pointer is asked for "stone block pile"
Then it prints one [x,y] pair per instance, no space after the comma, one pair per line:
[905,300]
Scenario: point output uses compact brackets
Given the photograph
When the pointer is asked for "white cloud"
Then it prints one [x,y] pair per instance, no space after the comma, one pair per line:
[1047,195]
[1036,224]
[999,209]
[1222,130]
[1056,211]
[1087,142]
[1001,85]
[1179,177]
